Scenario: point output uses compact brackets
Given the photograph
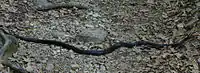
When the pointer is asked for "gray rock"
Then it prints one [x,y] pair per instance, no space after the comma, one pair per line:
[92,35]
[49,67]
[58,34]
[40,2]
[47,5]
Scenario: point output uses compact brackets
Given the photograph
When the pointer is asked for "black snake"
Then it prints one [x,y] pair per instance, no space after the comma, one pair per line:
[99,52]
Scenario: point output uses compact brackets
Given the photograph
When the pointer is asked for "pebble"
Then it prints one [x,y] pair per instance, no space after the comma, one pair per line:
[72,56]
[49,67]
[198,4]
[74,66]
[29,67]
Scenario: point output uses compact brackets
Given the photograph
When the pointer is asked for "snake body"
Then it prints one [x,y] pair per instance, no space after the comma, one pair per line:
[99,52]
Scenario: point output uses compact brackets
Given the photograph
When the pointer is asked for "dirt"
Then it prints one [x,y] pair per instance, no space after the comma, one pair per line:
[159,21]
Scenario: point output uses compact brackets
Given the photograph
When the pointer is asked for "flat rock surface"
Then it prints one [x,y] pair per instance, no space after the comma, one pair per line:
[92,35]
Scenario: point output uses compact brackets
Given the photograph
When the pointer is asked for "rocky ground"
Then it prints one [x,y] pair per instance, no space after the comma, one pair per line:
[99,23]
